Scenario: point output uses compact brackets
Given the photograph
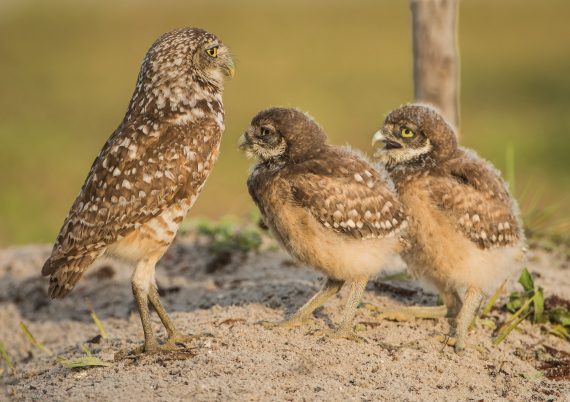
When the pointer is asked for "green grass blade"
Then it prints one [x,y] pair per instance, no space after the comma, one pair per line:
[526,280]
[515,302]
[523,308]
[507,329]
[488,324]
[560,331]
[559,315]
[538,304]
[33,340]
[516,319]
[80,362]
[6,357]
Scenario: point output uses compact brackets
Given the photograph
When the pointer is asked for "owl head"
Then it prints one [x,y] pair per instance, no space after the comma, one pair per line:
[184,55]
[413,132]
[283,134]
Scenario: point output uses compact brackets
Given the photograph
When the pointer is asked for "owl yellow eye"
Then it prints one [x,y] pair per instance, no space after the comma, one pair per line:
[213,51]
[406,133]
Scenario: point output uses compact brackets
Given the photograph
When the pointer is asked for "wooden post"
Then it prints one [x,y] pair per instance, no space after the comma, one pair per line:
[436,58]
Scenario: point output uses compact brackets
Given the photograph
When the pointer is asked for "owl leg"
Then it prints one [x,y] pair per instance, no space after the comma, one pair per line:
[175,337]
[344,329]
[329,289]
[471,303]
[140,281]
[452,301]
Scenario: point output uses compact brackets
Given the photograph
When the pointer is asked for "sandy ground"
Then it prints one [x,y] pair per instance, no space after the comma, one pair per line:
[244,361]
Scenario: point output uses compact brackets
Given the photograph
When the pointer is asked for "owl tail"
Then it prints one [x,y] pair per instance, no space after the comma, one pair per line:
[65,272]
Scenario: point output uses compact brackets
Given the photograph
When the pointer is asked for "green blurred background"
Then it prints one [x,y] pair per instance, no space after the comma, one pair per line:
[68,68]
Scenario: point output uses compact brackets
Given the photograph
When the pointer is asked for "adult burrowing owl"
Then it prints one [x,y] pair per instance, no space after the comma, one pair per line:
[150,170]
[465,232]
[326,205]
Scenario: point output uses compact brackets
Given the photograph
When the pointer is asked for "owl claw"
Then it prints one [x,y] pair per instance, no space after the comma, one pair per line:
[178,339]
[286,324]
[173,343]
[459,345]
[146,348]
[407,313]
[337,334]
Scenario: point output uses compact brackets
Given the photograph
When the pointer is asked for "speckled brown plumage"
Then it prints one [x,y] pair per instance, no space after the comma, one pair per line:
[465,231]
[327,205]
[153,166]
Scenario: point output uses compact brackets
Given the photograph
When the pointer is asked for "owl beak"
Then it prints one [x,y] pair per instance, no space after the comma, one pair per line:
[243,143]
[231,70]
[378,137]
[388,144]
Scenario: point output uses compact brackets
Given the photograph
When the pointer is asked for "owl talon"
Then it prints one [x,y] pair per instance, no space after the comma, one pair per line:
[268,324]
[169,346]
[390,314]
[337,334]
[285,324]
[145,348]
[409,313]
[398,316]
[370,307]
[176,340]
[458,344]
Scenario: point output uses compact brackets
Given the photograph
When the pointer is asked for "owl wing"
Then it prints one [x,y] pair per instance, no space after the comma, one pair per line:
[135,178]
[478,202]
[347,195]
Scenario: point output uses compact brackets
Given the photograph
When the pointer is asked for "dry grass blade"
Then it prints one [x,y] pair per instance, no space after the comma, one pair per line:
[98,324]
[33,340]
[6,357]
[86,350]
[493,300]
[81,362]
[560,331]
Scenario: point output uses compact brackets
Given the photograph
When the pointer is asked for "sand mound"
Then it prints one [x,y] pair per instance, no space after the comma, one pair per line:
[242,360]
